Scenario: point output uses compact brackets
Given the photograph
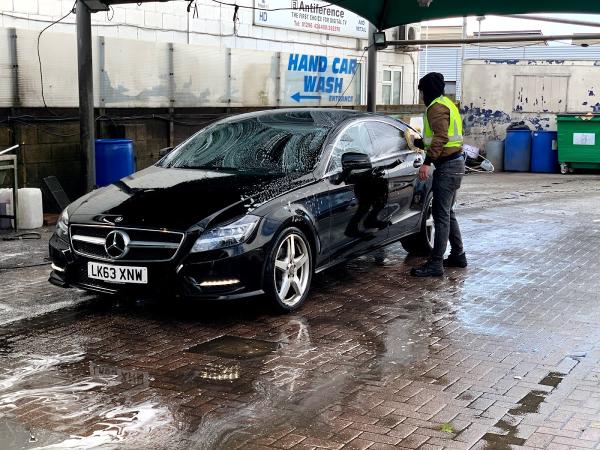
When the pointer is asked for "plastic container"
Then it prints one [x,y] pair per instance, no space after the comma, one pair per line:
[517,151]
[579,141]
[30,214]
[115,159]
[494,152]
[544,152]
[5,208]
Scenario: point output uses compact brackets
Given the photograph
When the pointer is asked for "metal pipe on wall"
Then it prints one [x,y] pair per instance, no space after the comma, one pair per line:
[86,93]
[560,37]
[583,23]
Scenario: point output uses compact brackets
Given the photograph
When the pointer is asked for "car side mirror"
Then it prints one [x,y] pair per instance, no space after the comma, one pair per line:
[164,151]
[353,161]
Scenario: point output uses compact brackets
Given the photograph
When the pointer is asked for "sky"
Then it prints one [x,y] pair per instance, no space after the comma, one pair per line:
[495,23]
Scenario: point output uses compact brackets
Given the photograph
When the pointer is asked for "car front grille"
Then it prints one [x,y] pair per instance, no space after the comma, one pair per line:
[144,245]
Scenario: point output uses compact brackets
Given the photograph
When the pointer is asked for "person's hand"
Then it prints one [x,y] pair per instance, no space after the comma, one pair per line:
[424,172]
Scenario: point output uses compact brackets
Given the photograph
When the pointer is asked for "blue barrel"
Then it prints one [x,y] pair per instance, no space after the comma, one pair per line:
[114,160]
[544,152]
[517,151]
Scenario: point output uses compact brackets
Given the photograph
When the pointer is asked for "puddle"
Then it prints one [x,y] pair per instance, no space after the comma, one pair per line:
[131,377]
[14,435]
[234,347]
[135,423]
[552,379]
[508,426]
[503,441]
[530,403]
[78,408]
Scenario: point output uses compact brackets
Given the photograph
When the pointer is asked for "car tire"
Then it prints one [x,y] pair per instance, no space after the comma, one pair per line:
[421,243]
[287,280]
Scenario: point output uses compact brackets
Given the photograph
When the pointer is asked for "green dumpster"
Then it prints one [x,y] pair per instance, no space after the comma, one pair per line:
[578,142]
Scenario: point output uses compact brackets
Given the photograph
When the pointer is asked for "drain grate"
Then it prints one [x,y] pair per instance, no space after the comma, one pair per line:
[234,347]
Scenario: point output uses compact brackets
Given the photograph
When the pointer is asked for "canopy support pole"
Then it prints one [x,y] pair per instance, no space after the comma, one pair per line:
[372,71]
[86,93]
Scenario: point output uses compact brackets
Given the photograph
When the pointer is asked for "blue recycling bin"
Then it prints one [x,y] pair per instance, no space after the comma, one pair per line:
[517,151]
[115,159]
[544,152]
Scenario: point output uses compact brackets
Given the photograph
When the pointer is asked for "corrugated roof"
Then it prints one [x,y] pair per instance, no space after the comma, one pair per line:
[537,52]
[445,60]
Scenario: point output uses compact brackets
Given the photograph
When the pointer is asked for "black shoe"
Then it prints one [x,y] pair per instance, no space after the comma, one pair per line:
[456,260]
[428,269]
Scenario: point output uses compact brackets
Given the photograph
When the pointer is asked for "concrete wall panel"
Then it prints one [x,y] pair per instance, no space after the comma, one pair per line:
[499,93]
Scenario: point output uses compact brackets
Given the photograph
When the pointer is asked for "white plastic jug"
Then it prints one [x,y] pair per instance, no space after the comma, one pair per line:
[30,214]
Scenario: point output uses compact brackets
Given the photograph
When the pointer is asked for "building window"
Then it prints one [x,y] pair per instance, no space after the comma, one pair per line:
[539,94]
[392,86]
[450,89]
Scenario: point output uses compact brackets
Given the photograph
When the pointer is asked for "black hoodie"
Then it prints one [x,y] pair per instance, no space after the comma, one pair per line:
[432,85]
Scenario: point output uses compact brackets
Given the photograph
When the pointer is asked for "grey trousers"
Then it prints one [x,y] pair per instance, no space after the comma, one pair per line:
[447,179]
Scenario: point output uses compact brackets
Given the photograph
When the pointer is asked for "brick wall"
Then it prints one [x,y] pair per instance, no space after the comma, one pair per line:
[50,147]
[5,136]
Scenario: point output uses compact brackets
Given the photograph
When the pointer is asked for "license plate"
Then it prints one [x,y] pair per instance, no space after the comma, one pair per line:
[118,274]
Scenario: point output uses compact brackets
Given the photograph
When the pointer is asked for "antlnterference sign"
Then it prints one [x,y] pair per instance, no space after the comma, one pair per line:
[311,16]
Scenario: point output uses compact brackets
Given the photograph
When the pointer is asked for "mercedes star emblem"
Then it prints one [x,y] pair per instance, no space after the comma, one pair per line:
[117,244]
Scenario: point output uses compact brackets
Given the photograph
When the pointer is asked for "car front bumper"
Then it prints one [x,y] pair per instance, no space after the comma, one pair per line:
[208,276]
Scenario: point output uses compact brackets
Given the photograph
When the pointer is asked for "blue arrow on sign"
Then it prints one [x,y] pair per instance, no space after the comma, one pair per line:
[299,97]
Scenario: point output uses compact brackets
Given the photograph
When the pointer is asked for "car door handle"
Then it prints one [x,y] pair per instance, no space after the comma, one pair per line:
[417,163]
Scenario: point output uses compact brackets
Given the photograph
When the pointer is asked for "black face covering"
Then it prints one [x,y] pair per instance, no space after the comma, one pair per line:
[432,85]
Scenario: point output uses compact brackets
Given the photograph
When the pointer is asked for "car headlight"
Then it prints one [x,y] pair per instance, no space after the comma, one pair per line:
[62,226]
[227,235]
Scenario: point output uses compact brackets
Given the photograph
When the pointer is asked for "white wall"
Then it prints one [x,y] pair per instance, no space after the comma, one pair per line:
[498,93]
[170,22]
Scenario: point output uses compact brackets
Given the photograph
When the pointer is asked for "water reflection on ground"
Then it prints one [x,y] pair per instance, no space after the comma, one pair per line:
[374,354]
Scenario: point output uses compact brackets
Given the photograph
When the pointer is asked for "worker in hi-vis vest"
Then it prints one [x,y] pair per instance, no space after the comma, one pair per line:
[443,140]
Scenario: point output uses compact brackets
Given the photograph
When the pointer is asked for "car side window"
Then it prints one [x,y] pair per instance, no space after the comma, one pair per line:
[387,140]
[355,139]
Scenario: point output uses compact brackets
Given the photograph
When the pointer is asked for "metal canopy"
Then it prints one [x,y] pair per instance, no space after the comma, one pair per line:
[390,13]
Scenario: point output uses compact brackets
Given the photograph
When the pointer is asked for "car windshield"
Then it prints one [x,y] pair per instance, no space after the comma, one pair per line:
[274,144]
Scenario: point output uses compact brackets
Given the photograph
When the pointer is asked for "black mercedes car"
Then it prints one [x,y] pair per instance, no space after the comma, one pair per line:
[252,204]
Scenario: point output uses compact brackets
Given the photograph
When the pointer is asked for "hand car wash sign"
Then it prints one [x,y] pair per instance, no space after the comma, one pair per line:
[321,79]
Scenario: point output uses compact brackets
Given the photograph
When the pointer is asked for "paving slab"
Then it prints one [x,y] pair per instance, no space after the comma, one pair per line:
[504,354]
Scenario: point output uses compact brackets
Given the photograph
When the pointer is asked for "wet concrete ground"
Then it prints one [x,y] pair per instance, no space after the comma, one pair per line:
[502,355]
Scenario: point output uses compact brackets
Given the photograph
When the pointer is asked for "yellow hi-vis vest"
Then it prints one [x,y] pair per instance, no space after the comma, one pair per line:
[455,132]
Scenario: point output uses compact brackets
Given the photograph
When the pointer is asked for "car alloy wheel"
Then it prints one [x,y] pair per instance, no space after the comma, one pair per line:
[430,224]
[292,270]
